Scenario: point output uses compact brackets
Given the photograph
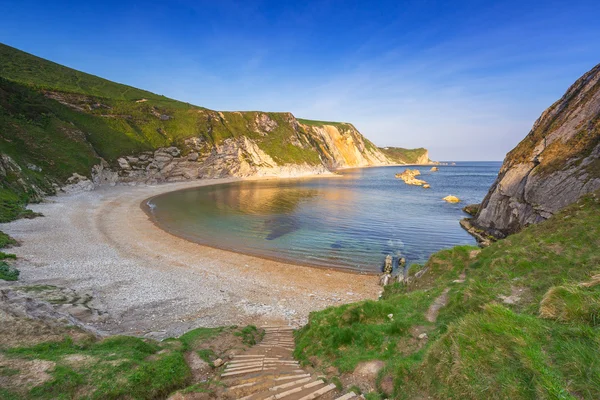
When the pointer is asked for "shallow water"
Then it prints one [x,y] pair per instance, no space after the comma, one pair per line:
[352,221]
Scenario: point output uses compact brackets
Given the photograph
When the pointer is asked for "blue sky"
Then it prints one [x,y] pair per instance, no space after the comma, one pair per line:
[466,79]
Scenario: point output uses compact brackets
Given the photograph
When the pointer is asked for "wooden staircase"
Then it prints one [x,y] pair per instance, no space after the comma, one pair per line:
[268,371]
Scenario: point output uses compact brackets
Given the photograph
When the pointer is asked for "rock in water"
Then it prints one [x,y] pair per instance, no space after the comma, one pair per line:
[451,199]
[426,186]
[434,169]
[387,268]
[408,176]
[471,209]
[558,162]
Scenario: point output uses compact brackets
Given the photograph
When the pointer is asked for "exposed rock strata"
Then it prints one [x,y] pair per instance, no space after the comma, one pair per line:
[239,157]
[556,163]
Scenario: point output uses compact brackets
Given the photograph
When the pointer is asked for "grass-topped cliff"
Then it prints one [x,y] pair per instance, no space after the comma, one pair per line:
[400,155]
[56,121]
[519,319]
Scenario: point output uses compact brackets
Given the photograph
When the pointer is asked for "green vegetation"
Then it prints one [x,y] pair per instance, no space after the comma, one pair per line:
[403,156]
[523,325]
[6,240]
[55,121]
[116,367]
[310,122]
[7,272]
[30,70]
[249,335]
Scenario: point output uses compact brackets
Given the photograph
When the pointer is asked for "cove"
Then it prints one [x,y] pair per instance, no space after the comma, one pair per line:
[351,221]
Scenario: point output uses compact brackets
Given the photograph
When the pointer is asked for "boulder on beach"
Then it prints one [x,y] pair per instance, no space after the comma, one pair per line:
[451,199]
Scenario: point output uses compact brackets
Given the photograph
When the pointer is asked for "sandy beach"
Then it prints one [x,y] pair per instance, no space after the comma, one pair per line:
[145,281]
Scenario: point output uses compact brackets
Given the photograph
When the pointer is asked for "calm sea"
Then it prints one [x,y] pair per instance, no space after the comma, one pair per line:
[352,221]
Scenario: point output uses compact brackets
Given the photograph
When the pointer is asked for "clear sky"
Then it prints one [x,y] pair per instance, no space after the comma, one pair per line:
[466,79]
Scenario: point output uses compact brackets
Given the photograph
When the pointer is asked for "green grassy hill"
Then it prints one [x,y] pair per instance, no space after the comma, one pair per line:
[524,324]
[56,121]
[406,156]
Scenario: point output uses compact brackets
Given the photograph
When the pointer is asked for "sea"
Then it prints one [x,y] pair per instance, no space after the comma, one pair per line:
[351,221]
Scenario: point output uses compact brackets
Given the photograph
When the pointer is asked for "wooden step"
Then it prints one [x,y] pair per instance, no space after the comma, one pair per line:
[347,396]
[319,392]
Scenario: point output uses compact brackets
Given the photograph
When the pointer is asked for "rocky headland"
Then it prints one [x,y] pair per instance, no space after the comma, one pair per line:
[556,163]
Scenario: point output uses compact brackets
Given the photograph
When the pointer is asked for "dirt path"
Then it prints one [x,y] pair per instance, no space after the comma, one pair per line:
[434,309]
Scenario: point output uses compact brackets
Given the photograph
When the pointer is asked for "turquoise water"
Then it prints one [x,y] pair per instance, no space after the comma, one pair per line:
[352,221]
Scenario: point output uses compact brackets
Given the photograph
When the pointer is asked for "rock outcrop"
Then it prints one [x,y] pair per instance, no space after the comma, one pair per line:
[409,177]
[556,163]
[239,157]
[451,199]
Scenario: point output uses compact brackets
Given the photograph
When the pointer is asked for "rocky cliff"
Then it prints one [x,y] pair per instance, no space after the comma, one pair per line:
[56,121]
[552,167]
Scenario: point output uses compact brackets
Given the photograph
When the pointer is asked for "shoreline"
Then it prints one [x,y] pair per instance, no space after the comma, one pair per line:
[145,281]
[147,210]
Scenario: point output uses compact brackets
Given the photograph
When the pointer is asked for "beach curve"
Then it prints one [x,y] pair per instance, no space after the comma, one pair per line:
[147,281]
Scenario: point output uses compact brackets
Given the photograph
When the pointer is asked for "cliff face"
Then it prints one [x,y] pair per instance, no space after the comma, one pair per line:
[320,148]
[552,167]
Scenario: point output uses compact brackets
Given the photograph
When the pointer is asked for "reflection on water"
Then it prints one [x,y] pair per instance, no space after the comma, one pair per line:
[349,222]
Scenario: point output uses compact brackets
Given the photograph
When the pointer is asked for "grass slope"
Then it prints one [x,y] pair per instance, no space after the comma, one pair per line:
[72,118]
[119,367]
[524,324]
[403,156]
[27,69]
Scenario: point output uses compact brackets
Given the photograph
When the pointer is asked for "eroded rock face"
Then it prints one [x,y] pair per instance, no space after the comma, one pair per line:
[343,146]
[556,163]
[234,157]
